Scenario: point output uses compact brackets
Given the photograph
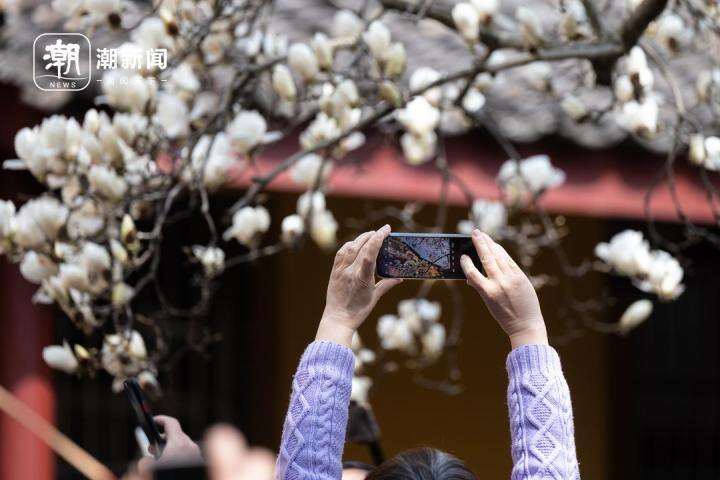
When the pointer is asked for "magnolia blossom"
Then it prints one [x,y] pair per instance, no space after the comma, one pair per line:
[36,267]
[663,276]
[418,149]
[246,131]
[395,334]
[433,341]
[247,224]
[302,60]
[105,181]
[122,293]
[530,176]
[307,170]
[637,67]
[467,20]
[39,221]
[292,227]
[128,90]
[151,33]
[359,391]
[347,25]
[60,357]
[419,117]
[217,161]
[623,88]
[627,252]
[530,26]
[7,221]
[378,39]
[123,356]
[486,9]
[635,314]
[283,83]
[421,79]
[324,229]
[705,151]
[640,118]
[574,108]
[488,216]
[308,201]
[211,258]
[395,60]
[172,115]
[323,48]
[671,32]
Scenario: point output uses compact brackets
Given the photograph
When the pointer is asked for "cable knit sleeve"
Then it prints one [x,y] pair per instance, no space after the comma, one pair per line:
[541,420]
[314,431]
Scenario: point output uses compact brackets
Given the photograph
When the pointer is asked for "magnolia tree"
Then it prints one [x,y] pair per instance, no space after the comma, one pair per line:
[167,140]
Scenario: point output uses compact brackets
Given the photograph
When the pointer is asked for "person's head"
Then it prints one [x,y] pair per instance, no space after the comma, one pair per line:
[422,464]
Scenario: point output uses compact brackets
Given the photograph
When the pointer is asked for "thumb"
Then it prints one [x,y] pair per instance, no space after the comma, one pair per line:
[382,287]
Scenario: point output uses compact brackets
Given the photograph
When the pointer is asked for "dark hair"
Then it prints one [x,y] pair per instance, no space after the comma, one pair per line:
[422,464]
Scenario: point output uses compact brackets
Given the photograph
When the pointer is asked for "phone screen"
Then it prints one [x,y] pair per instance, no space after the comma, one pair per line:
[420,256]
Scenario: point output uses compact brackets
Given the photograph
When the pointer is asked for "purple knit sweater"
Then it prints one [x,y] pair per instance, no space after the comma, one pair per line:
[541,425]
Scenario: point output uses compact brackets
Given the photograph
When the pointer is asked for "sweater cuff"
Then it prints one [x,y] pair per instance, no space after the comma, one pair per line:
[328,355]
[529,359]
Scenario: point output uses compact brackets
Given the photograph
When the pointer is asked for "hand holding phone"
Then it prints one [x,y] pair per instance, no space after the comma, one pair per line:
[144,415]
[425,256]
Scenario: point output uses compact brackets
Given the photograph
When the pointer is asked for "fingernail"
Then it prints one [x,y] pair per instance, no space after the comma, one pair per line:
[386,227]
[476,233]
[464,257]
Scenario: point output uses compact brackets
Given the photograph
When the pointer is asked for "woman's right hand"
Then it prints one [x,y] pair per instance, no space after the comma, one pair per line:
[507,292]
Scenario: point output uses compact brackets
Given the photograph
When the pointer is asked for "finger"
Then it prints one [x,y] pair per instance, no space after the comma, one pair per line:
[226,450]
[486,254]
[507,259]
[501,255]
[347,254]
[170,425]
[384,285]
[367,257]
[145,466]
[474,276]
[259,465]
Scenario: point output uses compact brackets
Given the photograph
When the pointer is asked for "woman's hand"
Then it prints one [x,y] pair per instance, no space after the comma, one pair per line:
[352,292]
[507,292]
[178,446]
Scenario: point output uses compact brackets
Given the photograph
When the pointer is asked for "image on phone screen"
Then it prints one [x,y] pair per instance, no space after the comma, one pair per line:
[420,256]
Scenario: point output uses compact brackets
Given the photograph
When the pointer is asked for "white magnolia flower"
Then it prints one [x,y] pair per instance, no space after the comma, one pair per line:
[211,258]
[359,391]
[302,60]
[488,216]
[214,45]
[347,25]
[101,8]
[433,341]
[123,356]
[418,149]
[323,49]
[246,131]
[310,200]
[467,20]
[122,293]
[105,181]
[696,147]
[408,312]
[37,267]
[183,78]
[39,221]
[627,252]
[324,229]
[395,334]
[94,258]
[60,357]
[634,315]
[395,60]
[206,104]
[74,276]
[428,311]
[671,32]
[473,101]
[7,221]
[283,83]
[172,115]
[663,276]
[151,33]
[486,8]
[712,150]
[306,170]
[530,26]
[422,78]
[623,88]
[705,151]
[247,224]
[419,117]
[640,118]
[637,67]
[128,90]
[529,176]
[378,39]
[322,129]
[292,227]
[85,221]
[218,161]
[574,108]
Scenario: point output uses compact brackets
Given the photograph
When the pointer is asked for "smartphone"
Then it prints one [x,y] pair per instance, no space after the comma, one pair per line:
[180,472]
[425,256]
[144,415]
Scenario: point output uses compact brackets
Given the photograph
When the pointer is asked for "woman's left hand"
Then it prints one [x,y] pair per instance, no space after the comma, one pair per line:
[352,292]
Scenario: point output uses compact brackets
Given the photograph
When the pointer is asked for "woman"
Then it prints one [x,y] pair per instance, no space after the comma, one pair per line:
[541,426]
